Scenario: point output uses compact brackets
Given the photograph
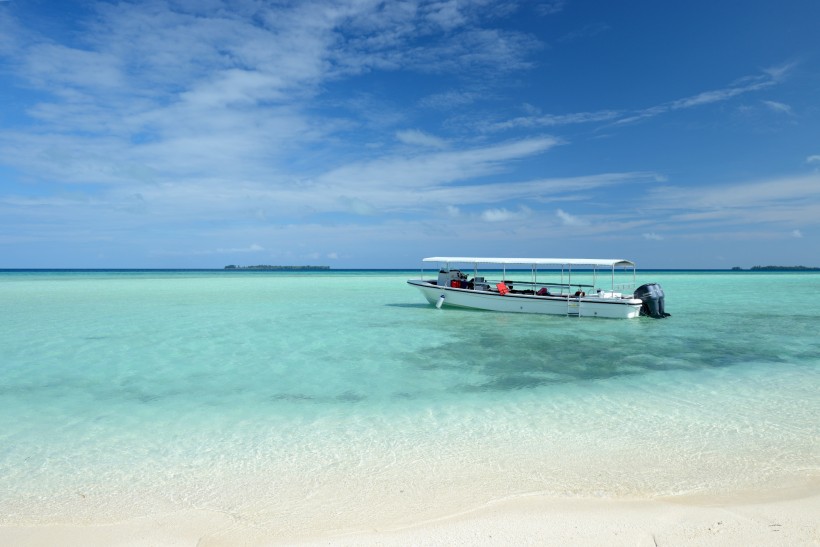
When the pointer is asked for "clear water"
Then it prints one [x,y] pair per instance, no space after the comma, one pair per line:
[337,399]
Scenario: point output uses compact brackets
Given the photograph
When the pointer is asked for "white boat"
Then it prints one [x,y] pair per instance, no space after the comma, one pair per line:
[575,293]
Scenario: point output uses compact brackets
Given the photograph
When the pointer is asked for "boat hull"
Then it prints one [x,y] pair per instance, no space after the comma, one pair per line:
[585,306]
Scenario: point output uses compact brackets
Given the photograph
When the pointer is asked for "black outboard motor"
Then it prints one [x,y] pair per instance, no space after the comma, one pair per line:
[652,296]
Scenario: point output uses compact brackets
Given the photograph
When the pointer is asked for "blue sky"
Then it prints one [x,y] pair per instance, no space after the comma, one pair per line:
[358,134]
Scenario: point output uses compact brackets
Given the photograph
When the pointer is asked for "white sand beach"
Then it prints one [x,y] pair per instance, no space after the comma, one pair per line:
[528,520]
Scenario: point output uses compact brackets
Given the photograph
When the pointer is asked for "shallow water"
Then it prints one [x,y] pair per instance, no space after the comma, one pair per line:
[344,397]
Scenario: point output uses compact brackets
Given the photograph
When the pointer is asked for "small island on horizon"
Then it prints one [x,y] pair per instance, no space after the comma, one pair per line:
[778,269]
[277,268]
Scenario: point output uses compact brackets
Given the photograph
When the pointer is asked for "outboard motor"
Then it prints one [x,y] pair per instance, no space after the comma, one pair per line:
[651,295]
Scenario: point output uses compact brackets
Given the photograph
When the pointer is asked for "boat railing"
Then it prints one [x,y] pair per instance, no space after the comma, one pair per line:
[515,283]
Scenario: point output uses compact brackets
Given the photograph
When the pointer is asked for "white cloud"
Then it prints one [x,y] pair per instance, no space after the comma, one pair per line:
[355,205]
[446,14]
[763,193]
[779,73]
[550,7]
[778,107]
[391,190]
[454,39]
[814,158]
[204,124]
[400,172]
[570,220]
[498,215]
[652,236]
[746,85]
[797,234]
[420,138]
[619,117]
[551,120]
[504,215]
[449,99]
[191,91]
[257,204]
[64,69]
[773,202]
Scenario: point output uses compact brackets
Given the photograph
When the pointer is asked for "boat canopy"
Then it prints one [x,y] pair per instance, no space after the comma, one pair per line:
[535,261]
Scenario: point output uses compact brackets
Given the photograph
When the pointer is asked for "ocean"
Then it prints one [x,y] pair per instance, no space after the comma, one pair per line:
[334,400]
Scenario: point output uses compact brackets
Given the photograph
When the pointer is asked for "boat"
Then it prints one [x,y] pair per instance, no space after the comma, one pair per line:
[519,289]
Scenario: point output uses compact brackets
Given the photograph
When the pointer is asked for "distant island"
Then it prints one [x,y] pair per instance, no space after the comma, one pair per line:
[778,269]
[277,268]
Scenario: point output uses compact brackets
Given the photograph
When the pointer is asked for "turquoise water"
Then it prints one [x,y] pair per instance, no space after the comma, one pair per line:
[337,399]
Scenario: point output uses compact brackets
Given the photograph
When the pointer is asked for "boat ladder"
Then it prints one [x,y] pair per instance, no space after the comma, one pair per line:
[573,307]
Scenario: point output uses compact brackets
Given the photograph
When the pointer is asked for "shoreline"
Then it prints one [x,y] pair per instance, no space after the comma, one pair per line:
[765,518]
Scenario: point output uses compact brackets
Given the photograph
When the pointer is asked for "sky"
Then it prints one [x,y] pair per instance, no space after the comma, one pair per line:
[371,134]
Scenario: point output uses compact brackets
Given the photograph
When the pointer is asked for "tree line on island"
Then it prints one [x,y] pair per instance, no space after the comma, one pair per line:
[778,269]
[277,268]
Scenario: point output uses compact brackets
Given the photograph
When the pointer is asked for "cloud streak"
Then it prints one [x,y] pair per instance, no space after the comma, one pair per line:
[785,200]
[766,79]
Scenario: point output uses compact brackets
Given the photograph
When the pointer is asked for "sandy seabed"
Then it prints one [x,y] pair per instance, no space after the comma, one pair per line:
[526,520]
